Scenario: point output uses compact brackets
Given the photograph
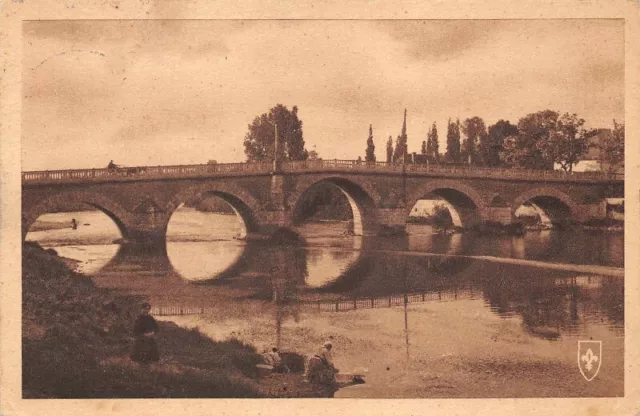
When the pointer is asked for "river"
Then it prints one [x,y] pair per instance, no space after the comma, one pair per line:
[411,312]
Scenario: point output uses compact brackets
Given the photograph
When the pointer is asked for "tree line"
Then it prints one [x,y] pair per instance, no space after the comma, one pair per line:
[539,140]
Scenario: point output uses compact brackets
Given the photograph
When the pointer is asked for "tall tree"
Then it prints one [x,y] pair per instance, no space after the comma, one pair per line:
[567,142]
[525,149]
[397,152]
[389,150]
[435,146]
[475,132]
[428,146]
[493,146]
[453,142]
[511,153]
[611,149]
[423,149]
[400,152]
[259,140]
[370,155]
[546,138]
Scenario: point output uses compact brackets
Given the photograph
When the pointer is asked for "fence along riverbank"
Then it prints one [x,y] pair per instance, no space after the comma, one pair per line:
[337,305]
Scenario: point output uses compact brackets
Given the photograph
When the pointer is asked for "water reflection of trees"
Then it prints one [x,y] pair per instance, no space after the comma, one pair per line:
[544,314]
[550,306]
[612,300]
[550,302]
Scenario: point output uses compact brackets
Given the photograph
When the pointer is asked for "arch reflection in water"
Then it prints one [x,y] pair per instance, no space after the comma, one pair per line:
[202,239]
[204,260]
[325,265]
[135,269]
[87,237]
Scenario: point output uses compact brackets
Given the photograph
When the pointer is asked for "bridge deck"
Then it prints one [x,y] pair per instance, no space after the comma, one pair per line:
[315,166]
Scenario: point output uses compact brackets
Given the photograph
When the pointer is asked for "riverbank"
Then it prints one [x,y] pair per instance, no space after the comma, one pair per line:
[76,340]
[40,225]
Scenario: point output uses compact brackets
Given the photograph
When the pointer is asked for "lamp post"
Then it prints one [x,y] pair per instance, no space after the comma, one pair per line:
[277,283]
[276,164]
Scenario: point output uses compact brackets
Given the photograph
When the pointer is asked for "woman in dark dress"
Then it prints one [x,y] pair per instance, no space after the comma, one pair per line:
[145,349]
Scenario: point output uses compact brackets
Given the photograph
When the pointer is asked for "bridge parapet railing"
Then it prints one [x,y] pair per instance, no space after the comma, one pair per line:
[340,165]
[204,170]
[142,172]
[454,170]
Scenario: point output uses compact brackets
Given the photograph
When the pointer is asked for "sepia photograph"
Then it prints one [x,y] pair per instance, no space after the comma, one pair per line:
[370,209]
[322,208]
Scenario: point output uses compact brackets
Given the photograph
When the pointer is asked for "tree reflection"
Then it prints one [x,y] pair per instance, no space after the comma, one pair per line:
[612,300]
[543,314]
[551,306]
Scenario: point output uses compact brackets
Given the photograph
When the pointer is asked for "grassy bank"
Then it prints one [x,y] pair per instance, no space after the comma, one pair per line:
[77,339]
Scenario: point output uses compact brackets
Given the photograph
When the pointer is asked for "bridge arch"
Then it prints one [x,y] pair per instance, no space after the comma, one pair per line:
[69,201]
[554,204]
[466,205]
[240,200]
[363,205]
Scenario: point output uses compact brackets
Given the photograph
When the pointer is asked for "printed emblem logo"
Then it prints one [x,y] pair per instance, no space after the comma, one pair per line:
[589,358]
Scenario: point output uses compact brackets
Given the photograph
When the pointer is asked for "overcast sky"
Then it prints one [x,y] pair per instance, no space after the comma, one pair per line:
[183,92]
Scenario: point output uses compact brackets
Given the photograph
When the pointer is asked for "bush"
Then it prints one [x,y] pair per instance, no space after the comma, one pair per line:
[439,218]
[604,222]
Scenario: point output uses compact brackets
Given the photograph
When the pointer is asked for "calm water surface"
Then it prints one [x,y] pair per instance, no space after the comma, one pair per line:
[388,303]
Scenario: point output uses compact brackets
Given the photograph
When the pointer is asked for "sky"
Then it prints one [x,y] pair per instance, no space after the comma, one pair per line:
[162,92]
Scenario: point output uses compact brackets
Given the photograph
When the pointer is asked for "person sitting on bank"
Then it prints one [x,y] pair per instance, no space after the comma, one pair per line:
[320,368]
[145,349]
[274,359]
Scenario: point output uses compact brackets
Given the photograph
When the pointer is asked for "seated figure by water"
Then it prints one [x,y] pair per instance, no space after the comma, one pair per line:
[274,359]
[145,349]
[321,371]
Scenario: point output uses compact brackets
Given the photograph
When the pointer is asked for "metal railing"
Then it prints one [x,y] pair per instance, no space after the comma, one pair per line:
[340,305]
[264,168]
[389,301]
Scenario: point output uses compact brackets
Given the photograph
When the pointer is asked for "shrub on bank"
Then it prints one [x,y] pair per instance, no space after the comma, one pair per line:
[439,218]
[604,224]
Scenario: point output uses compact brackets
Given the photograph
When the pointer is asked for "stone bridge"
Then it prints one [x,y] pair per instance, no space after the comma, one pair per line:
[141,200]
